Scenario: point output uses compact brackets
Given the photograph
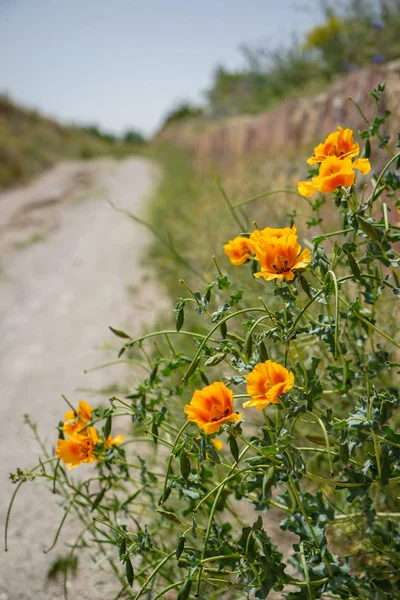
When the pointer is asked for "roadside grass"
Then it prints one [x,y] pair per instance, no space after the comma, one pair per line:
[189,212]
[192,222]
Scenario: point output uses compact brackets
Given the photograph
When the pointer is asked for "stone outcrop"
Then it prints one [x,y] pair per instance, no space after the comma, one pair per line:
[296,123]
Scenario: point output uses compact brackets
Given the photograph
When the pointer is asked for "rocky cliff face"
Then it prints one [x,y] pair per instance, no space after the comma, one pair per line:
[297,122]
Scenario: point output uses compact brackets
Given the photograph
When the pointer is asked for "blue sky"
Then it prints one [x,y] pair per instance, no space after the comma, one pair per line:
[125,63]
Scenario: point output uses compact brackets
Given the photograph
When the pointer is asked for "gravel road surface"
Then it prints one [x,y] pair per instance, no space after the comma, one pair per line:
[70,266]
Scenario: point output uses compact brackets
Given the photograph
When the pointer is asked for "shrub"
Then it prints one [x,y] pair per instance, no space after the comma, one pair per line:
[290,404]
[182,111]
[132,136]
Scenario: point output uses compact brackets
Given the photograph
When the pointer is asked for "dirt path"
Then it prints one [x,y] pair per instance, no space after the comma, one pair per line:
[69,266]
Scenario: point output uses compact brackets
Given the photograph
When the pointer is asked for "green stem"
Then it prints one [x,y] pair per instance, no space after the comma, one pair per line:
[153,574]
[212,513]
[373,435]
[265,194]
[183,282]
[306,574]
[357,314]
[182,429]
[169,587]
[229,205]
[385,168]
[165,332]
[328,446]
[118,361]
[165,243]
[307,519]
[13,499]
[335,283]
[217,265]
[217,326]
[211,492]
[367,121]
[8,515]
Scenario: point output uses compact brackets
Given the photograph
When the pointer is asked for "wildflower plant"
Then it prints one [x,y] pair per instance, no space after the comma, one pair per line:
[287,406]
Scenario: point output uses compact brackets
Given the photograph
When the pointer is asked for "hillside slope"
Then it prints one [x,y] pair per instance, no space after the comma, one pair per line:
[30,142]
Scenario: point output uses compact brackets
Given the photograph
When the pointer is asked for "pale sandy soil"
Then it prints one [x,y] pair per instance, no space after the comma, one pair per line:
[67,261]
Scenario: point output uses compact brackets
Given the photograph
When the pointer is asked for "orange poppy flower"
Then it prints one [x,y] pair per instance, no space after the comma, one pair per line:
[333,173]
[218,444]
[340,143]
[266,383]
[238,250]
[211,407]
[78,449]
[76,421]
[278,252]
[114,441]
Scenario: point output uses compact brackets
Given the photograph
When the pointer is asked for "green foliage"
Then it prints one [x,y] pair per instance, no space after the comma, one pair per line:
[182,111]
[132,136]
[355,34]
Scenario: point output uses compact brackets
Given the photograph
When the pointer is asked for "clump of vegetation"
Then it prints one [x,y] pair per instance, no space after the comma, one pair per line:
[287,401]
[183,111]
[355,34]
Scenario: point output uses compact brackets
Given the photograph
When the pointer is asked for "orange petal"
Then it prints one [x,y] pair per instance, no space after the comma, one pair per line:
[302,260]
[269,276]
[363,165]
[306,188]
[218,444]
[84,411]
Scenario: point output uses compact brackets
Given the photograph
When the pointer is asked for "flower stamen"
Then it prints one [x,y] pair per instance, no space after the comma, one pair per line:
[280,265]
